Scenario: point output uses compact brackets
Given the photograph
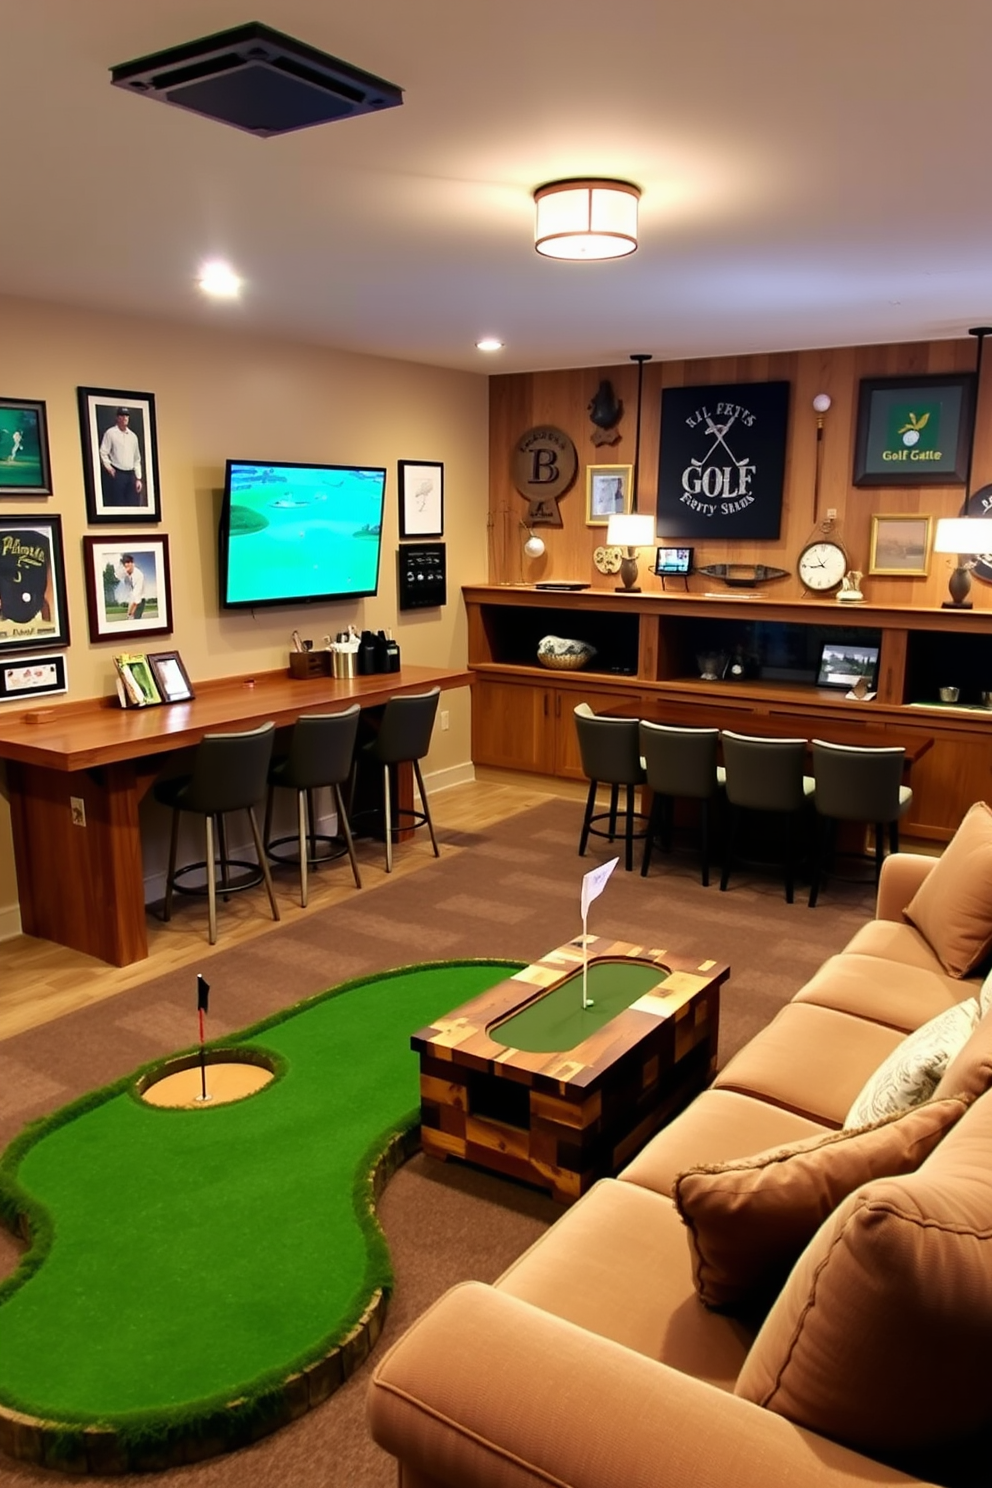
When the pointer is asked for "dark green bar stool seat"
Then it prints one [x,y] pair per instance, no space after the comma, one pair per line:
[229,774]
[404,737]
[321,753]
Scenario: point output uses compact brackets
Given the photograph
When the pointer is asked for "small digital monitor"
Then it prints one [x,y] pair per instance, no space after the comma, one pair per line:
[842,664]
[673,561]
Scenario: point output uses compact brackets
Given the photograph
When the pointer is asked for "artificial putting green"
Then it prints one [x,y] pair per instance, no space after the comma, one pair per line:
[182,1259]
[557,1021]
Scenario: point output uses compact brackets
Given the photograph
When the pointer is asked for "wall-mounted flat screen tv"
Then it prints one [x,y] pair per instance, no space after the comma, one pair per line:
[296,534]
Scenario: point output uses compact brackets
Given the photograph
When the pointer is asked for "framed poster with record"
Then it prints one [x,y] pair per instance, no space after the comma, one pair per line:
[33,609]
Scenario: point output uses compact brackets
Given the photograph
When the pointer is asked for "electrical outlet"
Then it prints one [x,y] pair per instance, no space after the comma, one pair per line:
[445,719]
[78,808]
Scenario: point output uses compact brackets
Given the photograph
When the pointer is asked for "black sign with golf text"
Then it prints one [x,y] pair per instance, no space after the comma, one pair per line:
[722,462]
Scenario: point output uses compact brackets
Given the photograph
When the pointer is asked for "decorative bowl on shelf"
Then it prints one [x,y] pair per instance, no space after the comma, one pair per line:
[563,655]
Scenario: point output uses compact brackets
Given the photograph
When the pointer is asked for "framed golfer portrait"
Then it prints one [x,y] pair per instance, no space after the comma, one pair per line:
[128,590]
[120,456]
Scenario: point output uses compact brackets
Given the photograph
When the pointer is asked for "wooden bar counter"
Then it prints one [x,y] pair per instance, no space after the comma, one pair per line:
[81,885]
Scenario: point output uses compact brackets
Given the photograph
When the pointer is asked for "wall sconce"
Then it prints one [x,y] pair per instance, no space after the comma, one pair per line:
[630,531]
[583,219]
[534,546]
[968,537]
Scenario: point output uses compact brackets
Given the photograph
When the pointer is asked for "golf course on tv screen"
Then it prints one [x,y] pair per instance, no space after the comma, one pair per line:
[294,533]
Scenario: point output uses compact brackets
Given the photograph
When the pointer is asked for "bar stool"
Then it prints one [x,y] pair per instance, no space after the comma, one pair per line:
[680,764]
[858,784]
[765,775]
[321,750]
[404,738]
[229,774]
[611,755]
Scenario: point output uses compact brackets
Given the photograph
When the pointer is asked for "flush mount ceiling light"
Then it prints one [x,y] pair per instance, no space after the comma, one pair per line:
[585,219]
[489,343]
[219,279]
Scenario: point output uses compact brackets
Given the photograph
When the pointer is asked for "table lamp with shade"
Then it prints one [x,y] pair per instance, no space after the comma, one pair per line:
[969,538]
[630,531]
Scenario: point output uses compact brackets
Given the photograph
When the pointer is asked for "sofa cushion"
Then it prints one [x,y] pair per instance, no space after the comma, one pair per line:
[953,905]
[876,1338]
[888,992]
[811,1060]
[970,1071]
[890,940]
[912,1071]
[749,1220]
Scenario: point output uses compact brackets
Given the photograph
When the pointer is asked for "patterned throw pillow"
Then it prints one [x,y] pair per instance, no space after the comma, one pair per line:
[912,1071]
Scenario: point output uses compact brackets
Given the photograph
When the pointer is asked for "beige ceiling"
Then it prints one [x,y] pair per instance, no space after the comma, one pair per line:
[813,175]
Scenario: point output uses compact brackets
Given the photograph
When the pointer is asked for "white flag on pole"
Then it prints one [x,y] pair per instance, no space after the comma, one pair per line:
[593,884]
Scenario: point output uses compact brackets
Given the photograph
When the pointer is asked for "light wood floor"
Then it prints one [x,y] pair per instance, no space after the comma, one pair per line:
[40,981]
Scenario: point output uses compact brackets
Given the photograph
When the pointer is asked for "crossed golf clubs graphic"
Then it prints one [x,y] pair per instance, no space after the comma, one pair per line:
[719,430]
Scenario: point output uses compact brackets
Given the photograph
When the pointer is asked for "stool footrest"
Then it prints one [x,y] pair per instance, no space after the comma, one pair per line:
[254,876]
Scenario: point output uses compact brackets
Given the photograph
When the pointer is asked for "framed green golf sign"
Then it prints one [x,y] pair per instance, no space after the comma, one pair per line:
[914,431]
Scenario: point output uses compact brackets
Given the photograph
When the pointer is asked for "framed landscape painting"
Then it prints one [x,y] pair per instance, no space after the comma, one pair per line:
[24,465]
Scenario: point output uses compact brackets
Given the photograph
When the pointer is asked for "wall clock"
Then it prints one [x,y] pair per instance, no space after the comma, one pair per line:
[822,565]
[608,560]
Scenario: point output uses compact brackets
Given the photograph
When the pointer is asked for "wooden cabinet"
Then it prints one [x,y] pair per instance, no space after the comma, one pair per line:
[648,649]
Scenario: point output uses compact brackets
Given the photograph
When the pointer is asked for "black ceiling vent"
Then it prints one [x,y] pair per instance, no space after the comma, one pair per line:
[257,79]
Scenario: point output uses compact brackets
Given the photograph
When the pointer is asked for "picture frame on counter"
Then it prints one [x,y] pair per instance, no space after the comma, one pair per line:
[171,676]
[421,484]
[914,431]
[25,677]
[33,607]
[119,440]
[25,468]
[609,491]
[900,544]
[128,586]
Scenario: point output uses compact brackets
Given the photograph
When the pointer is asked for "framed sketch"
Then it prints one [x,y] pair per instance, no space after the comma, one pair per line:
[26,677]
[128,591]
[171,676]
[421,485]
[33,610]
[24,464]
[914,431]
[609,489]
[900,545]
[120,455]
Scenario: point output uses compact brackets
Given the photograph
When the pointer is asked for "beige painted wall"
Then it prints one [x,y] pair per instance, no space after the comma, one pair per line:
[218,394]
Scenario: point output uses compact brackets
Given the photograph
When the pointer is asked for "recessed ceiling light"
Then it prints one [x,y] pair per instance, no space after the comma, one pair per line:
[219,279]
[489,343]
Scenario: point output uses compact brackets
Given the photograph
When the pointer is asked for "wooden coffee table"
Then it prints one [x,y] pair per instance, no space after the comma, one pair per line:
[495,1092]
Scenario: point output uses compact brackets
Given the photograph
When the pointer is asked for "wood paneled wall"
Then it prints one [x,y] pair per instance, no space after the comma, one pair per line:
[521,401]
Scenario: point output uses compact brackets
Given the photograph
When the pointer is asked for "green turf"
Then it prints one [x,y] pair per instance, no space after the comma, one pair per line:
[185,1258]
[558,1021]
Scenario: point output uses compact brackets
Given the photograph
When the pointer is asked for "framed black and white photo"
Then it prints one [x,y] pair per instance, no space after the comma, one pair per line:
[33,610]
[609,490]
[914,431]
[26,677]
[24,464]
[128,591]
[171,676]
[421,485]
[120,456]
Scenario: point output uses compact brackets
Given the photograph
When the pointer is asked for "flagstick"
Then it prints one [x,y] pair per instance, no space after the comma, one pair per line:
[203,1063]
[587,1001]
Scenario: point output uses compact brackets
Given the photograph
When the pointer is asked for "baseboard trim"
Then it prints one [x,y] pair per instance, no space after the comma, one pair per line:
[10,921]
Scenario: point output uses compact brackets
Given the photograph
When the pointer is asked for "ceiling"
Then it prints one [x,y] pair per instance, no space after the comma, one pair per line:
[811,175]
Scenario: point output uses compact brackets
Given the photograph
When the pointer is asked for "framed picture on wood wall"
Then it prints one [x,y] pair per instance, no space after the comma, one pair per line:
[900,545]
[609,489]
[914,431]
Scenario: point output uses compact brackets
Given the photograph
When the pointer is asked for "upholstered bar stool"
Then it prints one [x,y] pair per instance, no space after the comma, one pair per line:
[611,755]
[321,751]
[765,775]
[229,774]
[858,785]
[404,738]
[679,764]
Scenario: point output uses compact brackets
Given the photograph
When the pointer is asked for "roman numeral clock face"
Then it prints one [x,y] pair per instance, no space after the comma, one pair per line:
[821,566]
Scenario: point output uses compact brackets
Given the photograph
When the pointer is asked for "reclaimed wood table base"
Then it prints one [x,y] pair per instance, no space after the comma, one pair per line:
[563,1120]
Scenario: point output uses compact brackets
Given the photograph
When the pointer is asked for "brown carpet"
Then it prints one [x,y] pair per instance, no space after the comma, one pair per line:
[511,891]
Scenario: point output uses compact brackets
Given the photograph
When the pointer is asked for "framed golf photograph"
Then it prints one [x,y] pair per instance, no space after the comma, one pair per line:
[421,485]
[914,431]
[25,677]
[900,545]
[120,455]
[33,610]
[171,676]
[24,465]
[609,489]
[128,590]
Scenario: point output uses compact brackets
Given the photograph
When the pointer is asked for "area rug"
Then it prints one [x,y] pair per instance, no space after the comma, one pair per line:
[508,893]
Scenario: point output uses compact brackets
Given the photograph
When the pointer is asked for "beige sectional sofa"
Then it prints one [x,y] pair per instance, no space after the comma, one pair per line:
[593,1361]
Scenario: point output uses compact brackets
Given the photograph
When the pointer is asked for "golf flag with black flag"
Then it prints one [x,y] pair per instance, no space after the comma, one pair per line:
[202,1006]
[593,884]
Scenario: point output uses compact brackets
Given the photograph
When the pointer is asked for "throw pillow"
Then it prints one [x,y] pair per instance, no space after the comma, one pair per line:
[911,1073]
[749,1220]
[970,1071]
[874,1339]
[952,908]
